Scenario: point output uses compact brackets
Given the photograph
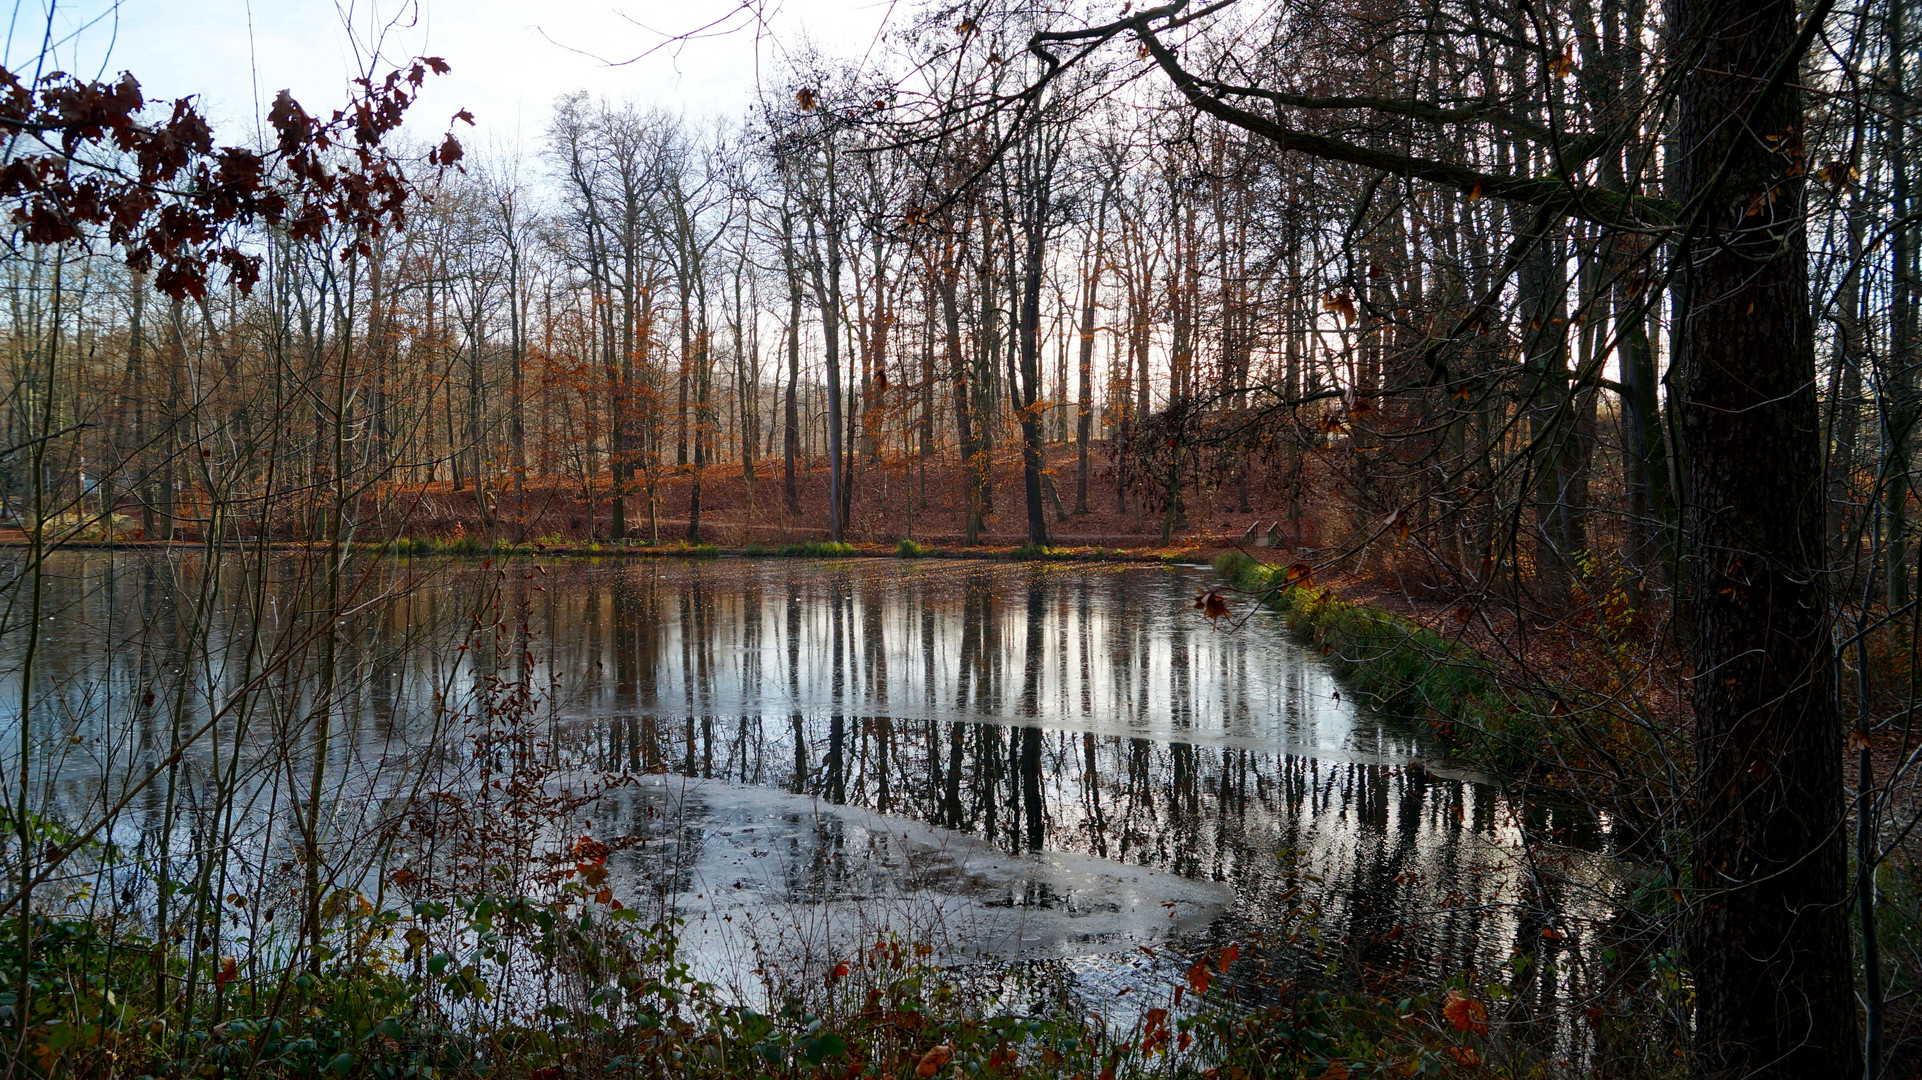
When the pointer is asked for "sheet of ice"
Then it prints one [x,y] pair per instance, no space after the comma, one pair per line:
[792,883]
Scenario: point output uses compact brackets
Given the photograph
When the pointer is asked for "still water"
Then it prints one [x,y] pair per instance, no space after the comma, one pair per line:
[1038,762]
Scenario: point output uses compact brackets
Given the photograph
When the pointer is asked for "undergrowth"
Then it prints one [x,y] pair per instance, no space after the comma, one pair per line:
[420,992]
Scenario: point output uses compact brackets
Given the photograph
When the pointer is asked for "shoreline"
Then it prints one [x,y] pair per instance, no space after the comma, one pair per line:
[434,548]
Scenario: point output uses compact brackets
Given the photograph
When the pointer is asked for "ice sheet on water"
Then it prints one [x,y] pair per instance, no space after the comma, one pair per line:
[788,881]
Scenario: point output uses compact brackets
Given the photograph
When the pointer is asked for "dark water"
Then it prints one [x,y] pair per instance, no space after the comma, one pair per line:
[1028,761]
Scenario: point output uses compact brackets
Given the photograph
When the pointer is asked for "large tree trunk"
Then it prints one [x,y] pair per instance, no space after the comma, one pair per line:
[1027,388]
[791,409]
[1084,395]
[1769,938]
[1903,409]
[827,295]
[973,469]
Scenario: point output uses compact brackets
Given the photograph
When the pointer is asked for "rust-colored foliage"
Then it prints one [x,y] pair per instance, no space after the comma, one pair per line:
[1465,1013]
[1199,976]
[1210,603]
[1228,957]
[170,198]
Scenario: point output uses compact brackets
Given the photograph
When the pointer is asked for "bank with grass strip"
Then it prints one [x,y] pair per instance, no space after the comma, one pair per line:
[1401,669]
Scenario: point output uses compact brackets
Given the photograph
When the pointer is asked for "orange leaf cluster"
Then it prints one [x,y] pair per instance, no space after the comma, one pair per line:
[1465,1013]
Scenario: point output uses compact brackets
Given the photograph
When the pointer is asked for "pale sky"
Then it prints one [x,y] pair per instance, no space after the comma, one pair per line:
[511,58]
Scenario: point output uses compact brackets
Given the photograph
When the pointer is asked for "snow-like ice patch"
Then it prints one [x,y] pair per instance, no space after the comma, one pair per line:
[783,880]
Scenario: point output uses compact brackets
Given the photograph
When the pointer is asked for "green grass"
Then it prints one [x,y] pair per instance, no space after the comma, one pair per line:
[908,549]
[756,551]
[420,546]
[1400,668]
[818,549]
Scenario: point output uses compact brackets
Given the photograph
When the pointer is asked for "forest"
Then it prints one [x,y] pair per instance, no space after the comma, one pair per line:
[1551,365]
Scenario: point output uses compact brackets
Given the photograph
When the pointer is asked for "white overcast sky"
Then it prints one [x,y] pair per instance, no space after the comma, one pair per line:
[511,58]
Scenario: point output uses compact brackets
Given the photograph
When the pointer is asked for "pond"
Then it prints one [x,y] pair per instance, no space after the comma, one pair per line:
[1044,763]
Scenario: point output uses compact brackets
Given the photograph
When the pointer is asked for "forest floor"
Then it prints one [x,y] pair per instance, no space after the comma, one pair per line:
[892,499]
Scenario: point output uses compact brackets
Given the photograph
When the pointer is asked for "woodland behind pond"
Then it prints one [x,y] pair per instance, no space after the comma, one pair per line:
[1558,362]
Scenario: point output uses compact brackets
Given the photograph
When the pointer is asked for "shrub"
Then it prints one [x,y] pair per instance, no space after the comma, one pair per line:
[908,549]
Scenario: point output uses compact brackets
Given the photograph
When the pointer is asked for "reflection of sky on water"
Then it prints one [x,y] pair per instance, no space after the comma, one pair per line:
[1109,649]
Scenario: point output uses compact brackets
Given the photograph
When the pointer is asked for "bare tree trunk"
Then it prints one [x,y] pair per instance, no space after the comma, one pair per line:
[791,444]
[1084,403]
[1769,940]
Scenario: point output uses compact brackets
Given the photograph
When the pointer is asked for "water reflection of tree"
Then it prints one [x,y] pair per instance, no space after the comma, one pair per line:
[890,678]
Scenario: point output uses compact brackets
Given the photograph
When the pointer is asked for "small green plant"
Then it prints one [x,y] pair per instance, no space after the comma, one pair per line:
[756,551]
[908,549]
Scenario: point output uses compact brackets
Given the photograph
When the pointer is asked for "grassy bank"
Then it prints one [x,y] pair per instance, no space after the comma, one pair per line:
[1400,668]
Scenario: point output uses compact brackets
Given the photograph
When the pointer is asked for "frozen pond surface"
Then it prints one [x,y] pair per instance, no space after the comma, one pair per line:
[783,880]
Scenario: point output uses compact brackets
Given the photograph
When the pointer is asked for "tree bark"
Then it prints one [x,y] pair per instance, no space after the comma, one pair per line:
[1769,939]
[1084,390]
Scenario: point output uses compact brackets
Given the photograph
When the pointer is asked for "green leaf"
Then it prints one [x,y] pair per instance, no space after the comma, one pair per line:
[824,1046]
